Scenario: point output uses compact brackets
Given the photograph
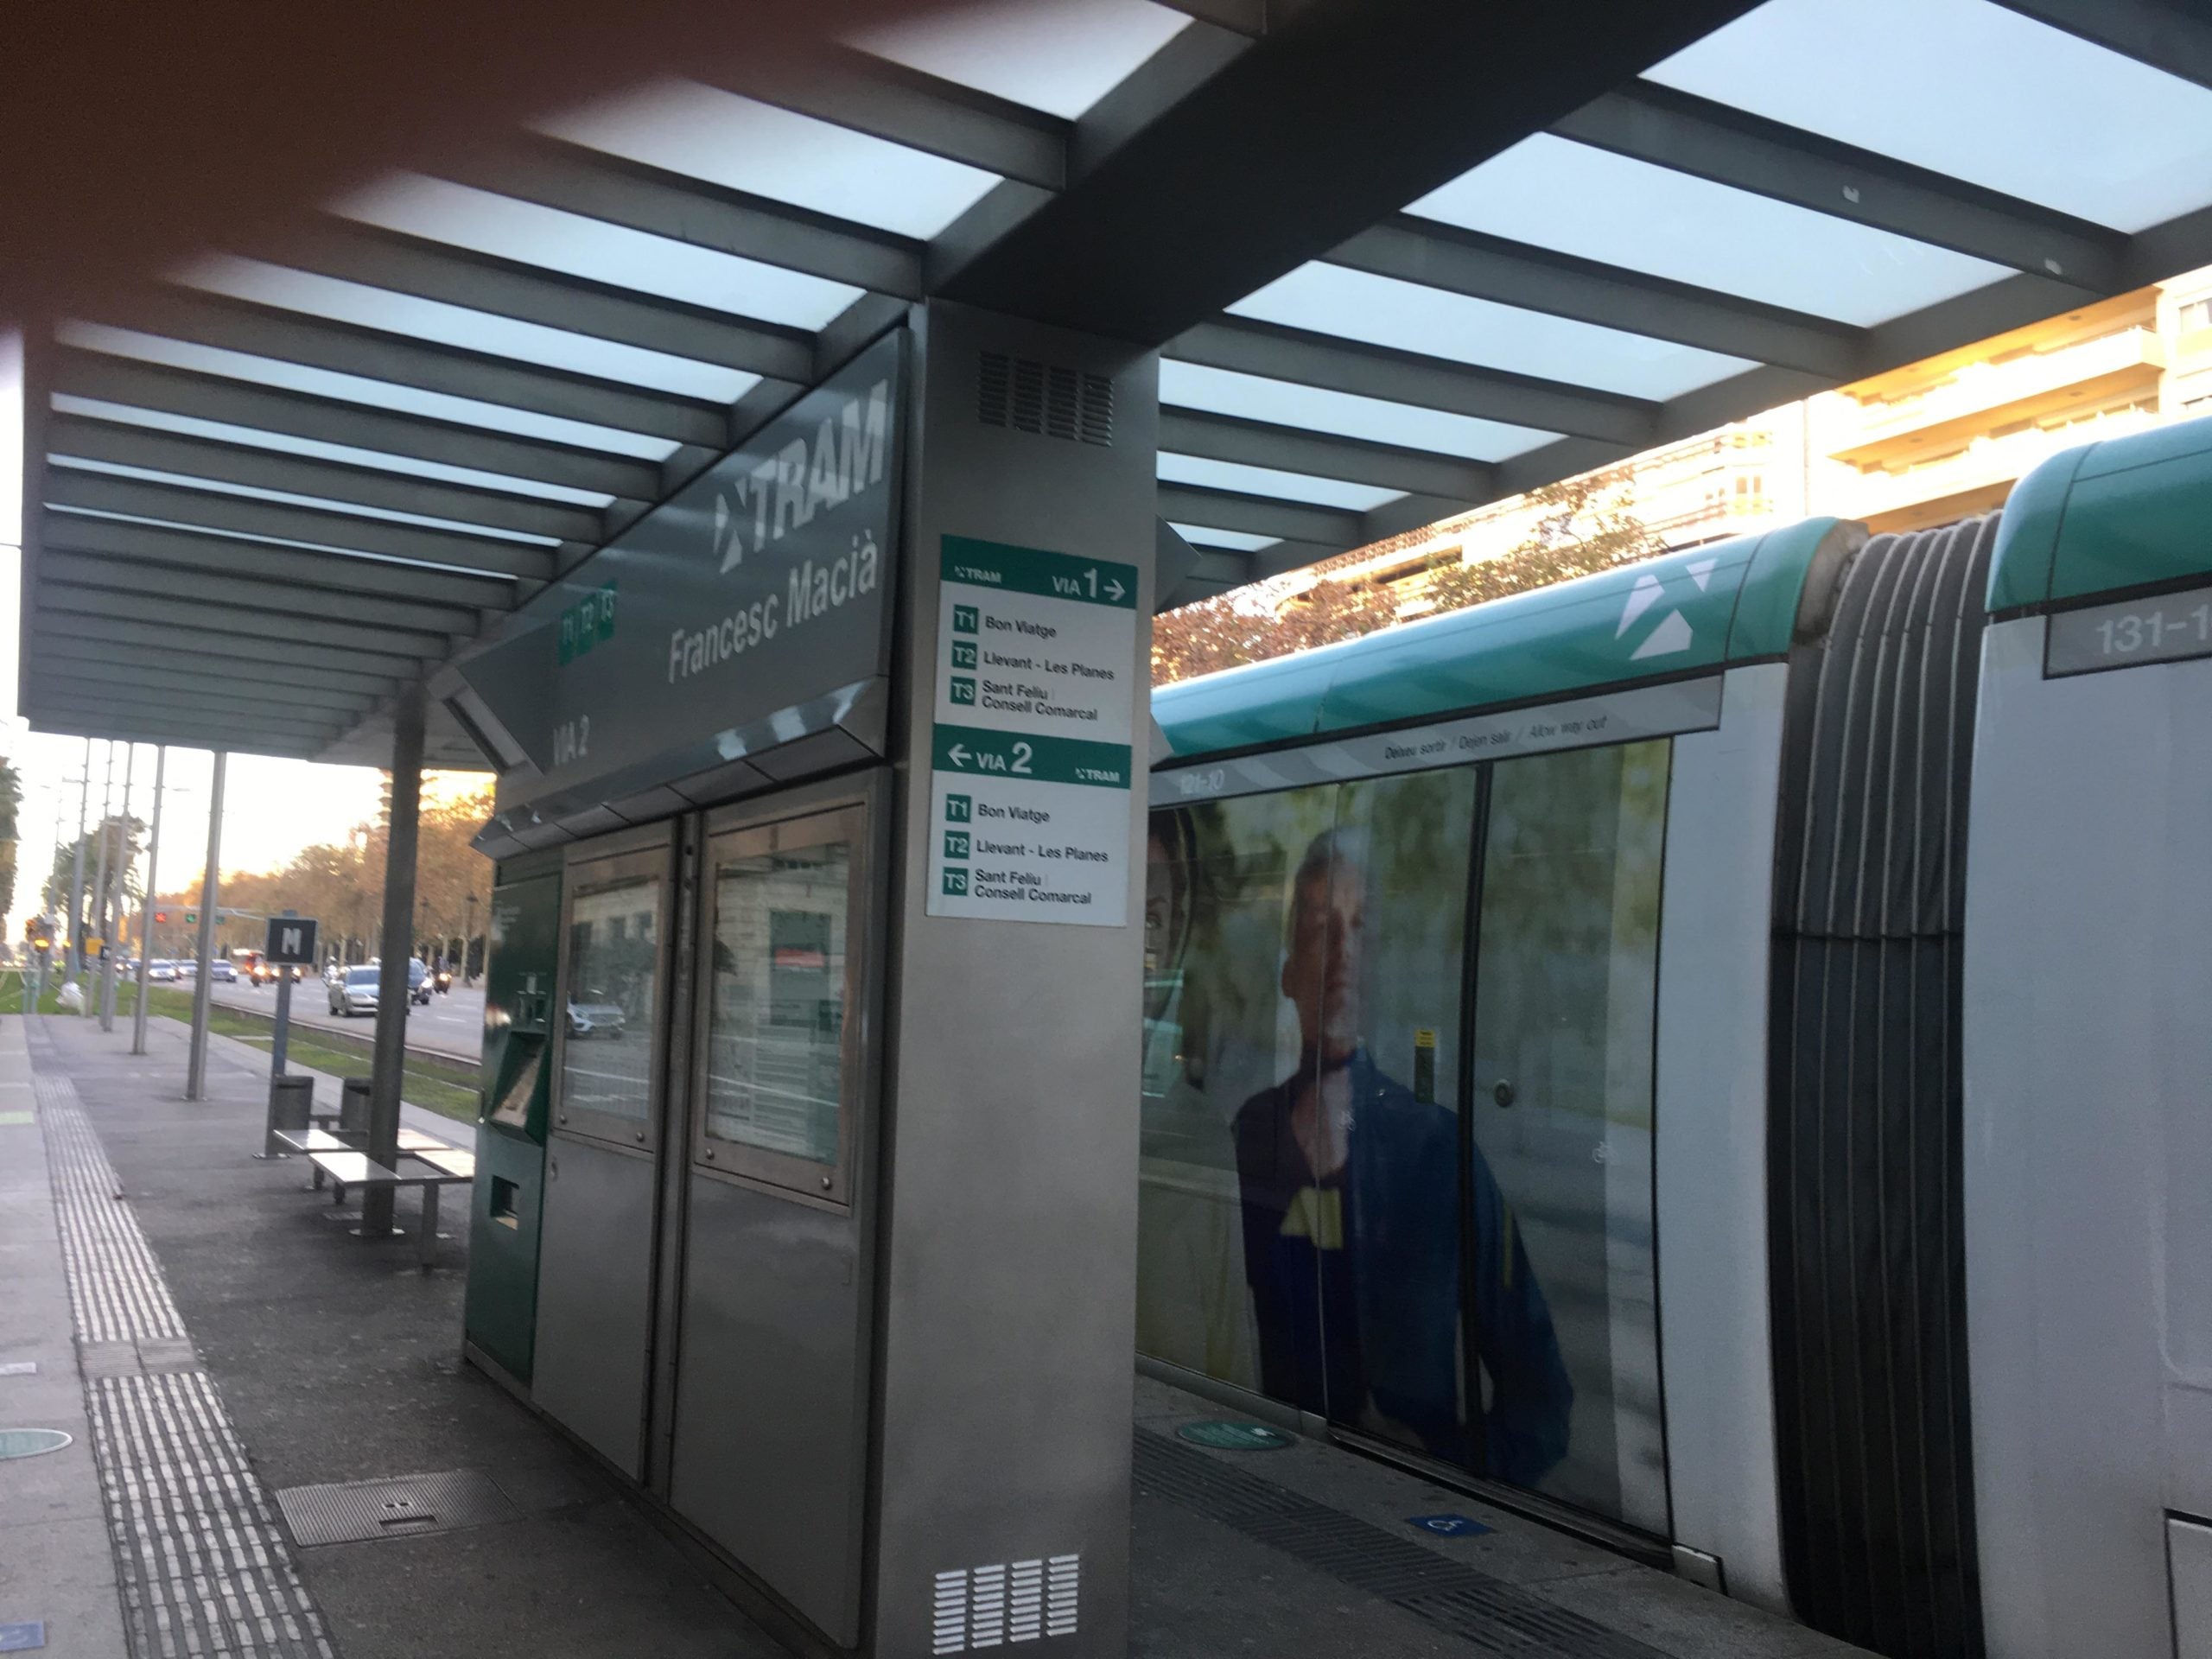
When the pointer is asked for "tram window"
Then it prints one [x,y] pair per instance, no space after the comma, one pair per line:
[779,980]
[614,983]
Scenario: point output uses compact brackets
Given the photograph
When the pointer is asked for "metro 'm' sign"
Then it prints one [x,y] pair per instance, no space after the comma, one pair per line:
[291,940]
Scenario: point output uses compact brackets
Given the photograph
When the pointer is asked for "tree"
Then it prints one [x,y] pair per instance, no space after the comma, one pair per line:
[11,801]
[1575,527]
[1580,526]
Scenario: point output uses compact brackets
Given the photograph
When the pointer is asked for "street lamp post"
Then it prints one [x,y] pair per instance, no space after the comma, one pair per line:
[469,943]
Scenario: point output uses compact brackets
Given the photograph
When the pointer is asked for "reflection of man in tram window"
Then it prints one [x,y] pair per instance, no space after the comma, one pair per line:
[1191,1305]
[1350,1239]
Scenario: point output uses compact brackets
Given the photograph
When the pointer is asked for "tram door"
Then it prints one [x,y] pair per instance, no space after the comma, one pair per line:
[1562,1325]
[596,1262]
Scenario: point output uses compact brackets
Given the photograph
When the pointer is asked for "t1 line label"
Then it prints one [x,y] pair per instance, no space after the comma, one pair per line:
[1031,762]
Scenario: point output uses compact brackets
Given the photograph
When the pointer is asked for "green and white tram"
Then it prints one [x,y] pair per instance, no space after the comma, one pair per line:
[1720,1052]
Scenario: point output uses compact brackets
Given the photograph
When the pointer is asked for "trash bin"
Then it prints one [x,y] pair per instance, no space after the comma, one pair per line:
[353,1107]
[291,1109]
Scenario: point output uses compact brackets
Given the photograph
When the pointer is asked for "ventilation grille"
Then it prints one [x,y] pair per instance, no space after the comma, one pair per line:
[995,1606]
[1025,396]
[1866,1205]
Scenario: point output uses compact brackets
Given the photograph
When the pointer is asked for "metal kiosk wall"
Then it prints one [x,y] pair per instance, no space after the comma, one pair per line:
[834,752]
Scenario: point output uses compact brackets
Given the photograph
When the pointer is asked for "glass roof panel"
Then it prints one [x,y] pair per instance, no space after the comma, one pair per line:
[1383,311]
[1343,414]
[440,211]
[682,127]
[355,389]
[417,318]
[286,497]
[1236,541]
[2017,106]
[192,426]
[286,541]
[1266,480]
[1645,218]
[1060,56]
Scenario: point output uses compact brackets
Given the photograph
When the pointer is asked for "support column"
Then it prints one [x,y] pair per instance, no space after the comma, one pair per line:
[146,909]
[76,921]
[211,896]
[386,1070]
[99,878]
[112,897]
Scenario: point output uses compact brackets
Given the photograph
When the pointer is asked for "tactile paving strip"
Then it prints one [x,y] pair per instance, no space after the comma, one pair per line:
[201,1559]
[1451,1596]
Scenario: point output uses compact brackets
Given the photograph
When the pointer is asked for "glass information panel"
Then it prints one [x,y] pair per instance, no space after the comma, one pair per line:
[611,1034]
[779,978]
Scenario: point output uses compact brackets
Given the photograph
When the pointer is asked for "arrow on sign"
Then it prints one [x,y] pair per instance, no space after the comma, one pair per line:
[958,754]
[1114,587]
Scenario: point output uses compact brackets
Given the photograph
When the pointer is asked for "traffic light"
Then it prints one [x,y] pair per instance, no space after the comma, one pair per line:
[161,917]
[191,918]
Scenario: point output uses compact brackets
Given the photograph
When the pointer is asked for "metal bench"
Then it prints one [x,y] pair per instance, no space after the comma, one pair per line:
[310,1142]
[350,1168]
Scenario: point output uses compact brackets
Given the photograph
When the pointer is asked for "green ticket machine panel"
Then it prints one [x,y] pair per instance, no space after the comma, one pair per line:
[520,1012]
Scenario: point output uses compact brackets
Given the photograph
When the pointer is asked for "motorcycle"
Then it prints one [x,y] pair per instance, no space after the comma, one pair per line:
[444,981]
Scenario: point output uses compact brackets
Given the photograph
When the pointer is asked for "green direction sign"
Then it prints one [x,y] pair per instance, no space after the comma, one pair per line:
[1225,1436]
[1038,759]
[1032,570]
[586,622]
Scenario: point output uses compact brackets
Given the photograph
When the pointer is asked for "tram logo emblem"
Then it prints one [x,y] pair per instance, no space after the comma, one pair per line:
[1672,633]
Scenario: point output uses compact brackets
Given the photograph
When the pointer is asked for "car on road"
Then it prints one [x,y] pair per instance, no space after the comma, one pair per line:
[161,972]
[220,971]
[355,992]
[597,1018]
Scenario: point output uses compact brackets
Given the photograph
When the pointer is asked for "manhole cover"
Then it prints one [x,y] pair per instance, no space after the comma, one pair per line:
[29,1442]
[362,1509]
[1223,1436]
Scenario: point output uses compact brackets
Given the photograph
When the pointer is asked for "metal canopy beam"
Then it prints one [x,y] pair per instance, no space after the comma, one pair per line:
[214,650]
[359,253]
[1255,515]
[176,734]
[70,659]
[335,575]
[1490,268]
[277,601]
[2160,35]
[396,361]
[60,639]
[404,650]
[573,180]
[1339,365]
[269,715]
[1255,443]
[269,469]
[1692,135]
[1243,16]
[1364,103]
[848,88]
[81,373]
[242,516]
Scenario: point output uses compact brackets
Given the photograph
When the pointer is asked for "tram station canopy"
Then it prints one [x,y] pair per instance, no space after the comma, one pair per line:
[1399,258]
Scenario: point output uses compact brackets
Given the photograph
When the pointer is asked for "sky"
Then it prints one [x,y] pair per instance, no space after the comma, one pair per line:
[272,807]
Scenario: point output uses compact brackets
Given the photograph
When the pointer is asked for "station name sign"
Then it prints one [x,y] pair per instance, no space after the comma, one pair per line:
[761,585]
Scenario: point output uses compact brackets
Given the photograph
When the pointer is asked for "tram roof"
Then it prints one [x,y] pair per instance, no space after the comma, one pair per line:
[1400,258]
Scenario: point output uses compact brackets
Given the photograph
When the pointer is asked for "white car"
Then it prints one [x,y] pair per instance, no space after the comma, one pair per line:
[161,972]
[355,992]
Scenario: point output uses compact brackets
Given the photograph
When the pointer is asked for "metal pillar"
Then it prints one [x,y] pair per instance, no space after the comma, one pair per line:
[146,907]
[385,1071]
[111,895]
[195,1069]
[77,870]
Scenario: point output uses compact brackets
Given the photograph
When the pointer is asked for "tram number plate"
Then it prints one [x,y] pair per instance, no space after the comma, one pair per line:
[2133,630]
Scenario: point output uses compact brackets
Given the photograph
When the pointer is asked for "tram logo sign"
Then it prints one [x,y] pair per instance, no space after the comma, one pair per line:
[1671,633]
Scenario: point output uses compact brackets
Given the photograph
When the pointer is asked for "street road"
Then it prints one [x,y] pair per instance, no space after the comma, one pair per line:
[452,1024]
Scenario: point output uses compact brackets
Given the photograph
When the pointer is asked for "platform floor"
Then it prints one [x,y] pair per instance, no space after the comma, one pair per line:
[214,1337]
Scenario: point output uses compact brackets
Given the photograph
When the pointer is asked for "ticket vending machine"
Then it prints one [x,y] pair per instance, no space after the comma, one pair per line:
[835,754]
[522,941]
